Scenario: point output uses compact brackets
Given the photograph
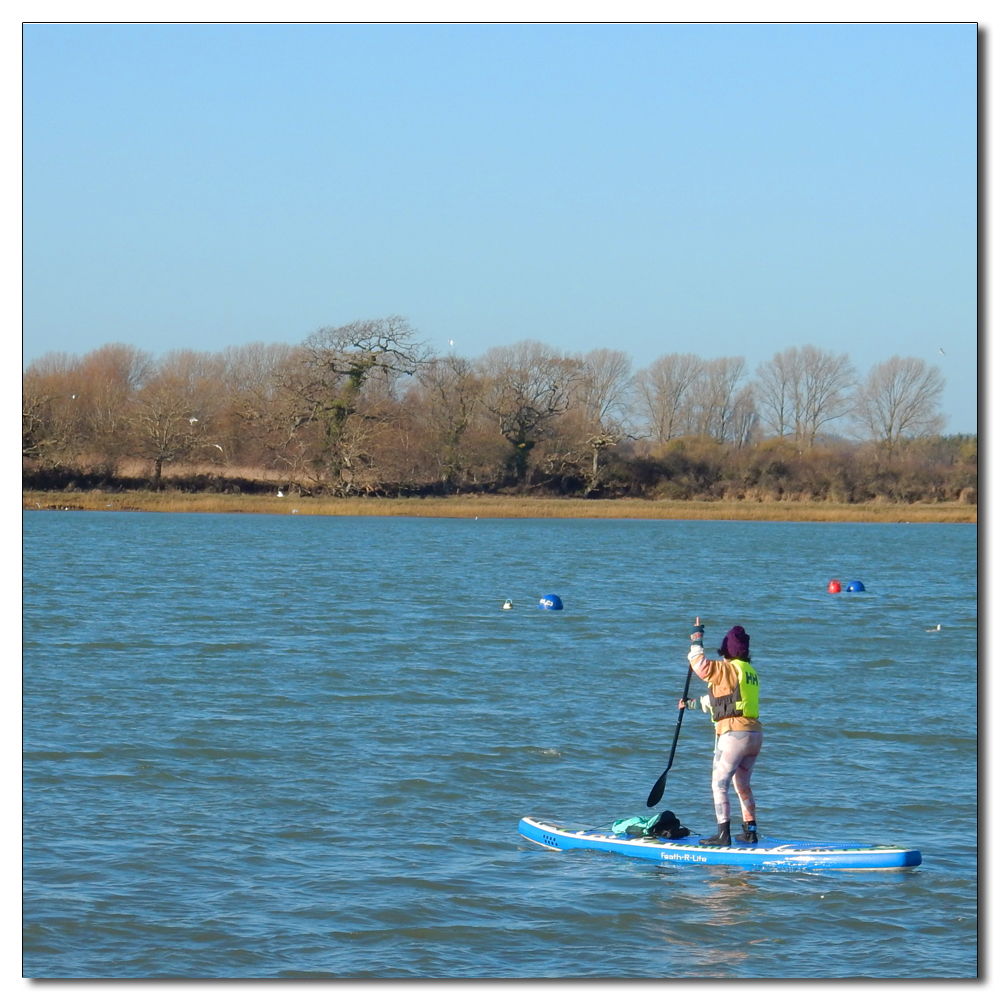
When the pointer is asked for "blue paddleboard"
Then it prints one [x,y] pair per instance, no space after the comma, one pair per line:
[769,853]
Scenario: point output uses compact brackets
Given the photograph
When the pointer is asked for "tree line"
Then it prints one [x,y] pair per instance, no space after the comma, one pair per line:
[368,408]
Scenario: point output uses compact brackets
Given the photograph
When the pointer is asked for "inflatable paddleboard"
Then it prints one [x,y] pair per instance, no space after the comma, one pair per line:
[769,853]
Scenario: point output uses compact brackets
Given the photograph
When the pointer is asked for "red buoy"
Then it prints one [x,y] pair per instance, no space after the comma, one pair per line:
[834,587]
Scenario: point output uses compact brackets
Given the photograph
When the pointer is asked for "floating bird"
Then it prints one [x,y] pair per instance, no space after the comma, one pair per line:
[507,605]
[937,629]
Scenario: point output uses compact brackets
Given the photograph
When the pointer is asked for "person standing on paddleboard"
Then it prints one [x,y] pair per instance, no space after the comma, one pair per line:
[733,700]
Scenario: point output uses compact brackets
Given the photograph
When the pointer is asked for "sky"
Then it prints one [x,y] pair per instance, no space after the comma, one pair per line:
[723,189]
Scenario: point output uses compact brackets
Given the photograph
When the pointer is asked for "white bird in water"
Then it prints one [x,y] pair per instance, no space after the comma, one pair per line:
[507,605]
[937,629]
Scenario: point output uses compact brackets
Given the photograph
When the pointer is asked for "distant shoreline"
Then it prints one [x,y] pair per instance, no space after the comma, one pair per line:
[491,506]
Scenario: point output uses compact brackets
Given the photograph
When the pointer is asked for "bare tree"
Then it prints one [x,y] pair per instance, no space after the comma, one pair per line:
[716,395]
[604,388]
[50,415]
[827,381]
[253,428]
[530,384]
[744,424]
[177,408]
[454,393]
[777,388]
[163,425]
[899,400]
[801,389]
[664,392]
[333,367]
[111,377]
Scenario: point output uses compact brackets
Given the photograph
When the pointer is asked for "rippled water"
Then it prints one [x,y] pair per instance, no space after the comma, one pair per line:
[263,746]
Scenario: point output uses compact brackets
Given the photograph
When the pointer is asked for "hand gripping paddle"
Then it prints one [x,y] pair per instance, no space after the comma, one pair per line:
[661,782]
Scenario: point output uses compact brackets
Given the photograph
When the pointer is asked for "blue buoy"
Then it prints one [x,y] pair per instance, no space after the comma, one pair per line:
[854,586]
[551,602]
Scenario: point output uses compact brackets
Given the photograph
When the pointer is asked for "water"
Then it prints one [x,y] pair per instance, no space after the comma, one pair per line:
[262,746]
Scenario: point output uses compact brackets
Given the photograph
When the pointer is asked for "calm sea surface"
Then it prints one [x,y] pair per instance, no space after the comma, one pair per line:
[265,746]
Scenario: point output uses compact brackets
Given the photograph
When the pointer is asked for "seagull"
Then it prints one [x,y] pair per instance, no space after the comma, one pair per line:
[941,349]
[452,342]
[938,629]
[219,446]
[192,420]
[280,494]
[507,605]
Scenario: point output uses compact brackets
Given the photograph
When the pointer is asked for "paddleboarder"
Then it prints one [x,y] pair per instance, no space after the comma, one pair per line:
[733,700]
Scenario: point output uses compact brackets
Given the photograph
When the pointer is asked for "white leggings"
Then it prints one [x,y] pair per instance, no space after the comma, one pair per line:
[735,755]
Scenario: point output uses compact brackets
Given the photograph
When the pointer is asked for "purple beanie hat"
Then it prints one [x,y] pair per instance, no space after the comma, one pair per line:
[736,645]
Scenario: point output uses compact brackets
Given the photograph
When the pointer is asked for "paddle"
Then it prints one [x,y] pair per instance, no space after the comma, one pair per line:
[661,782]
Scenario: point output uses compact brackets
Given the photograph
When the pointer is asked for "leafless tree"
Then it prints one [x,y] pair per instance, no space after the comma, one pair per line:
[899,400]
[715,397]
[664,391]
[177,408]
[251,426]
[604,388]
[802,389]
[745,421]
[529,385]
[453,397]
[111,377]
[51,425]
[333,367]
[778,383]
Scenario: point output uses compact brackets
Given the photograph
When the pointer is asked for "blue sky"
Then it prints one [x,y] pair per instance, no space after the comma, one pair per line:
[721,189]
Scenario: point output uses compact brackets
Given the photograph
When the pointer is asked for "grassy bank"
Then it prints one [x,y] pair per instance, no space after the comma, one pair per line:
[504,506]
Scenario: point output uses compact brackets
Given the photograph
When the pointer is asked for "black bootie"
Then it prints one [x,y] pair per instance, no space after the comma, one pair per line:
[749,834]
[721,839]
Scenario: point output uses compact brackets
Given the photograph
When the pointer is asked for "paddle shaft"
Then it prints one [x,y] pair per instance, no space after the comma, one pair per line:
[657,793]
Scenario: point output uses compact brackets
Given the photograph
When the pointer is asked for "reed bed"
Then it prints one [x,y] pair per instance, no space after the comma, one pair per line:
[503,507]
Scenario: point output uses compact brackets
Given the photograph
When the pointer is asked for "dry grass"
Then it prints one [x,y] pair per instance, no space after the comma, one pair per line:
[502,506]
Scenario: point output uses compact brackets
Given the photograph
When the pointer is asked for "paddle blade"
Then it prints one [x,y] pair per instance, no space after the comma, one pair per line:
[657,793]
